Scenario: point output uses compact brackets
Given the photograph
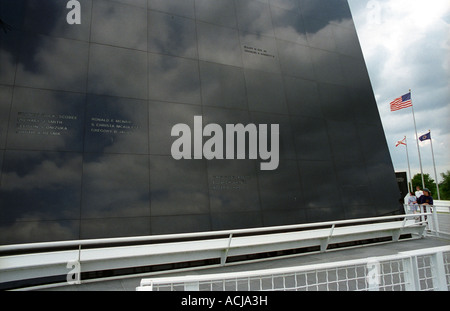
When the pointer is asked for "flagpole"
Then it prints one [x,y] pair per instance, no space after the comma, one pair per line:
[417,141]
[409,168]
[434,165]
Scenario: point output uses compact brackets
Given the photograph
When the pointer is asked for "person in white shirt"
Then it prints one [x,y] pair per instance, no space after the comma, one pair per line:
[419,192]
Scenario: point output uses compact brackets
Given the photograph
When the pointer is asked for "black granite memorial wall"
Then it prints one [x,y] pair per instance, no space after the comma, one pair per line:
[87,112]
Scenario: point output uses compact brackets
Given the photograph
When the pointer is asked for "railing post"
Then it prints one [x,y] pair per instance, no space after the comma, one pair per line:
[324,243]
[373,277]
[435,220]
[223,259]
[438,272]
[411,276]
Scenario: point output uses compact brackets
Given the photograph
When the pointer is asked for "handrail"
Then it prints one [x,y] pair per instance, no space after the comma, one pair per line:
[18,266]
[288,270]
[225,233]
[210,234]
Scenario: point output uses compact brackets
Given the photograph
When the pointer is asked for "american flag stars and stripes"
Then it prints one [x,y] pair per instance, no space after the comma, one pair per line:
[401,102]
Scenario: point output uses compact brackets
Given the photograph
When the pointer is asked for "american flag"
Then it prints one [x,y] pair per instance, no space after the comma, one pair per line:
[401,102]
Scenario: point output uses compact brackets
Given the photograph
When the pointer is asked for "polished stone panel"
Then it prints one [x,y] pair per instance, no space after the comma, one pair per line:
[281,190]
[347,42]
[15,10]
[320,187]
[254,17]
[49,63]
[319,35]
[265,92]
[259,52]
[218,44]
[106,74]
[365,109]
[343,136]
[5,107]
[311,138]
[180,224]
[302,97]
[172,35]
[48,17]
[177,7]
[162,117]
[40,186]
[335,102]
[13,13]
[87,113]
[223,117]
[285,4]
[9,54]
[119,25]
[178,187]
[227,221]
[288,24]
[233,186]
[19,232]
[223,86]
[351,173]
[2,152]
[218,12]
[285,217]
[46,120]
[138,3]
[354,73]
[115,185]
[296,60]
[327,67]
[173,79]
[286,139]
[114,227]
[116,125]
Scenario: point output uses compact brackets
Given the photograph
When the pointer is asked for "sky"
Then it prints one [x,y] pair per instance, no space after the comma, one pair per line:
[406,45]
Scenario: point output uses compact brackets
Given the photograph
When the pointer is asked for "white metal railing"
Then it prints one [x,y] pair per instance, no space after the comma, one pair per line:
[40,260]
[420,270]
[439,224]
[79,244]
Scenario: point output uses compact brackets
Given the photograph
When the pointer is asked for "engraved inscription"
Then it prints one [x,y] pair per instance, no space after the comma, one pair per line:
[257,51]
[112,126]
[229,182]
[52,124]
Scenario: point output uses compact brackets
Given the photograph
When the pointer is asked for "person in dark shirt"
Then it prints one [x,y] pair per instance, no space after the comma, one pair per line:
[426,198]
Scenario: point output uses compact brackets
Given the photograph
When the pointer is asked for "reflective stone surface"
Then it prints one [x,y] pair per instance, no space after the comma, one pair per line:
[40,186]
[86,113]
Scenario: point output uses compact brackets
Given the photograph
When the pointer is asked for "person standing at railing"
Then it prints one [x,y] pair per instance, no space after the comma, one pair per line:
[419,192]
[412,203]
[426,200]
